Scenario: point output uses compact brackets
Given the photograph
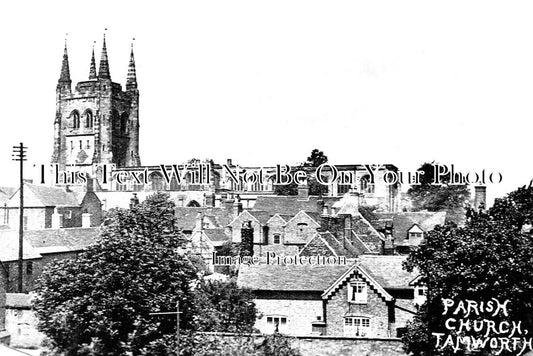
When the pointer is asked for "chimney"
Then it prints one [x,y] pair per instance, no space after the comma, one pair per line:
[90,185]
[229,162]
[237,206]
[134,200]
[199,226]
[480,197]
[210,199]
[303,192]
[56,219]
[85,220]
[247,239]
[347,229]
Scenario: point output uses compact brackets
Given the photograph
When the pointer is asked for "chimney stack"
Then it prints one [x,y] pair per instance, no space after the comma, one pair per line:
[237,206]
[303,192]
[480,197]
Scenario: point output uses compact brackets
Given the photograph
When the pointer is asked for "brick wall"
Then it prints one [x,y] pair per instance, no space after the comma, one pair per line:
[376,309]
[299,313]
[28,279]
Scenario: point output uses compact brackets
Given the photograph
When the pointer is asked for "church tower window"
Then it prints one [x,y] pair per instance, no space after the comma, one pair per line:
[75,120]
[88,119]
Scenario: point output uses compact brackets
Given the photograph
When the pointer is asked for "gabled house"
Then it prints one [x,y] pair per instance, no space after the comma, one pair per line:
[368,297]
[410,228]
[51,207]
[326,244]
[40,247]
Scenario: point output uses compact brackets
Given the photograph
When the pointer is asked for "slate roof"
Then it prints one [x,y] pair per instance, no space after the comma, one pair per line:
[427,221]
[43,196]
[38,242]
[217,235]
[187,216]
[262,216]
[387,270]
[265,277]
[6,193]
[58,240]
[286,205]
[9,241]
[18,300]
[340,247]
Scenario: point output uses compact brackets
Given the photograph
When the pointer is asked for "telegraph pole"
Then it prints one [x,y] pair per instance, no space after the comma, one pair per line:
[177,313]
[19,154]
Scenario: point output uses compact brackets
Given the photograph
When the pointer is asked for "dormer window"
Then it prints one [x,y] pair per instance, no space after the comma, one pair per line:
[301,229]
[277,239]
[358,292]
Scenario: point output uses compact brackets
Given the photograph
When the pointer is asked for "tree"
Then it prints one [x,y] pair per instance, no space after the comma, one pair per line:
[225,306]
[490,257]
[438,197]
[315,159]
[101,301]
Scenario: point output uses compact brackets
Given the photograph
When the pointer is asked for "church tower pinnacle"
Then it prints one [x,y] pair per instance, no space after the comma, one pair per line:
[103,72]
[92,69]
[131,81]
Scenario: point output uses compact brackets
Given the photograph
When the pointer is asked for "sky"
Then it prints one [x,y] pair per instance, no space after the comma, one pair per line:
[262,83]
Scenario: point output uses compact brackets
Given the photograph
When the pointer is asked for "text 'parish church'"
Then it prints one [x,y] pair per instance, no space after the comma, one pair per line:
[97,122]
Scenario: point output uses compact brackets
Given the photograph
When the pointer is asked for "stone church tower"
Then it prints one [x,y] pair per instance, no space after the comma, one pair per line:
[97,122]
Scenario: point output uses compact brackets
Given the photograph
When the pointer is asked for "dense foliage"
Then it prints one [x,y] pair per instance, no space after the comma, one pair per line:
[490,257]
[438,197]
[99,304]
[315,159]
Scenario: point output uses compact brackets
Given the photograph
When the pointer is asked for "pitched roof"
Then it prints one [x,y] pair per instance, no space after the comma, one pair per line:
[43,196]
[6,193]
[62,240]
[217,236]
[387,270]
[286,205]
[187,216]
[340,246]
[38,242]
[265,277]
[9,241]
[427,221]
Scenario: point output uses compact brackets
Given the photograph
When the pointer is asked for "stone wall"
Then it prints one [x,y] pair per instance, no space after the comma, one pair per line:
[21,323]
[337,346]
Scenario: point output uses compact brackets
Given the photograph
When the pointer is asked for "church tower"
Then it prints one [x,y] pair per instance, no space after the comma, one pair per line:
[97,122]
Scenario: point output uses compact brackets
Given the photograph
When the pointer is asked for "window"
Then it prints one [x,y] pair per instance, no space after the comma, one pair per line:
[420,295]
[88,119]
[67,214]
[29,268]
[25,223]
[75,119]
[356,326]
[276,321]
[88,144]
[357,292]
[71,145]
[415,235]
[277,239]
[366,186]
[301,229]
[81,147]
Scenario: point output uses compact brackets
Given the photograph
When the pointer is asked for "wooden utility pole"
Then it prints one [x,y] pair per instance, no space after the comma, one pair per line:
[19,154]
[177,313]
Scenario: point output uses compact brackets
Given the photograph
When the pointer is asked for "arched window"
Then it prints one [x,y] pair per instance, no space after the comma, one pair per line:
[115,121]
[75,119]
[366,186]
[157,181]
[124,123]
[88,119]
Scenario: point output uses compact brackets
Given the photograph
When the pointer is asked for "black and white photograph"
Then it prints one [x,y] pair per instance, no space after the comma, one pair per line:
[281,178]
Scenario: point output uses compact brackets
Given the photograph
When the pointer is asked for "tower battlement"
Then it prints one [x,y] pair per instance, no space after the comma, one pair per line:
[97,122]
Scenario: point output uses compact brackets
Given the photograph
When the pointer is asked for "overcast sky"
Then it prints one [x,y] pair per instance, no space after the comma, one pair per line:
[398,82]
